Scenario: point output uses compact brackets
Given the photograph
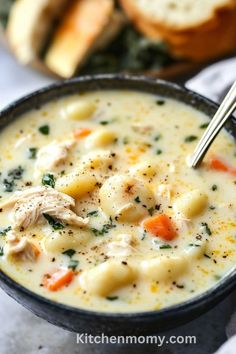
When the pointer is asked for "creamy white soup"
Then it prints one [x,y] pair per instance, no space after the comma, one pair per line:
[99,209]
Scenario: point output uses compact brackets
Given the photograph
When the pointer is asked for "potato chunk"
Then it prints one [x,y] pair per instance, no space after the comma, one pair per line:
[100,138]
[107,277]
[191,204]
[79,110]
[126,198]
[76,185]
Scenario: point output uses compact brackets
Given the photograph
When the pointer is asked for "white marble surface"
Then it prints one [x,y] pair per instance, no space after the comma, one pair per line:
[23,333]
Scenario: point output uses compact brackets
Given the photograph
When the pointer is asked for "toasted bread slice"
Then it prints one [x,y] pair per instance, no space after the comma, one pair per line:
[29,24]
[79,34]
[176,15]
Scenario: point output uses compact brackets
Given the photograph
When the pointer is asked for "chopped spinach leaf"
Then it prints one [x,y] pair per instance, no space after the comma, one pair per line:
[48,179]
[93,213]
[32,153]
[190,138]
[104,230]
[70,252]
[165,247]
[3,232]
[112,298]
[56,225]
[207,229]
[44,129]
[73,264]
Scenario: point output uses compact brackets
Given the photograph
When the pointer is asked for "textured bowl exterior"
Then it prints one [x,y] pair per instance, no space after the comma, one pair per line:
[91,322]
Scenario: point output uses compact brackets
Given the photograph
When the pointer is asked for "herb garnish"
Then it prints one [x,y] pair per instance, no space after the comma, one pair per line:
[3,232]
[159,152]
[165,247]
[56,225]
[207,229]
[1,252]
[16,173]
[104,122]
[160,102]
[70,252]
[73,264]
[150,211]
[48,179]
[206,255]
[214,187]
[157,137]
[105,229]
[190,138]
[93,213]
[112,298]
[8,185]
[32,153]
[137,199]
[44,129]
[194,245]
[204,125]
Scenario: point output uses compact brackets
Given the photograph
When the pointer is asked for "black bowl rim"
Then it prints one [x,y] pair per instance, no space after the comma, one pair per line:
[223,287]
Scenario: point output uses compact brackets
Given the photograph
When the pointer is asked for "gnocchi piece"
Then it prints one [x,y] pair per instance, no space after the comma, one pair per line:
[191,204]
[163,268]
[99,159]
[144,169]
[79,110]
[57,242]
[107,277]
[126,198]
[100,138]
[76,185]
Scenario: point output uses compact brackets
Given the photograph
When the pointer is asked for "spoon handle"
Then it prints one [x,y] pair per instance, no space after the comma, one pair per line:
[226,108]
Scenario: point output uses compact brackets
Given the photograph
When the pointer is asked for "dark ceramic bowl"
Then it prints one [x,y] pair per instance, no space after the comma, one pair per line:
[83,321]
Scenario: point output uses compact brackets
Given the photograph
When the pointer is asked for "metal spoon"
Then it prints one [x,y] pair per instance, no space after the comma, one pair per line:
[223,113]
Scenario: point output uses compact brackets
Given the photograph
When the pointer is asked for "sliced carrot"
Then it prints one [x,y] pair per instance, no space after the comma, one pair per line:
[81,133]
[218,165]
[58,279]
[161,226]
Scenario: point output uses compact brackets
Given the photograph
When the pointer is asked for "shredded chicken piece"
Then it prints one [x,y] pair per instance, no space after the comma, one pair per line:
[23,249]
[123,246]
[30,205]
[51,156]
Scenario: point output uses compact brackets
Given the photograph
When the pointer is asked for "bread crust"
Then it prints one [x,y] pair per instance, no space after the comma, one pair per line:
[78,35]
[205,42]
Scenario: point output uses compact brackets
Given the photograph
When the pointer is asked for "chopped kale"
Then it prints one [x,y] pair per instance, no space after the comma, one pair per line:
[56,225]
[44,129]
[3,232]
[32,153]
[70,252]
[190,138]
[207,229]
[73,264]
[48,179]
